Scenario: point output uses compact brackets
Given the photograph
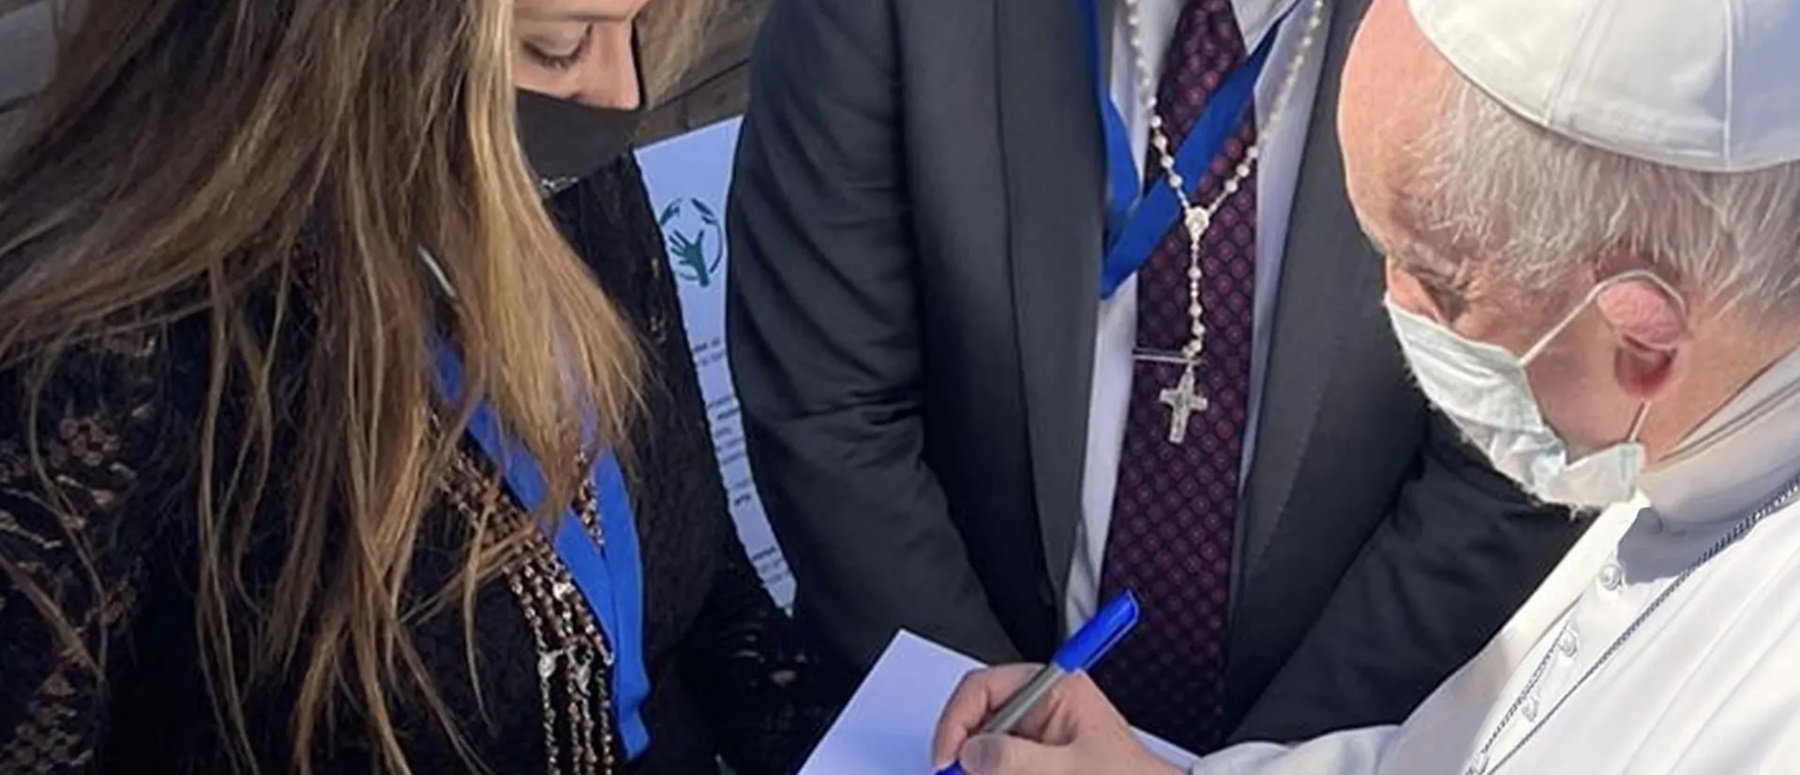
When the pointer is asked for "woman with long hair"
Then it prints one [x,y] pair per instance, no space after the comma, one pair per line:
[321,451]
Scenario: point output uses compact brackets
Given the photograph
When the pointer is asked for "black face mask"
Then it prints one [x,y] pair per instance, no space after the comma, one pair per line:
[566,141]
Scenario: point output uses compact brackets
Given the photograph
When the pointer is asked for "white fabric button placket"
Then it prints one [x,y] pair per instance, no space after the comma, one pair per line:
[1611,577]
[1568,644]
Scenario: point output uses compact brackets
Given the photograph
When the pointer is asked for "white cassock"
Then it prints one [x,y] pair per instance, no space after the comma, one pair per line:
[1708,682]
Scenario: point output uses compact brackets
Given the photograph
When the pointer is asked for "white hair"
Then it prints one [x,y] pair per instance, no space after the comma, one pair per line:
[1543,206]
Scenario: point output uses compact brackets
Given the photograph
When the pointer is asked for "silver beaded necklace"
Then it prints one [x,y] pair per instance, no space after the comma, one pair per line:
[1483,763]
[1183,398]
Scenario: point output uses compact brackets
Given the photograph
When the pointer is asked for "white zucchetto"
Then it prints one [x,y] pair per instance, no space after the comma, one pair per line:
[1709,85]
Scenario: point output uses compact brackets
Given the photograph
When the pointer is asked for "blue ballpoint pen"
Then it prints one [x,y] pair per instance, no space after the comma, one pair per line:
[1080,652]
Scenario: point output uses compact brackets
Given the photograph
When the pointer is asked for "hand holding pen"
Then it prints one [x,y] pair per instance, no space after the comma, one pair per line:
[1049,720]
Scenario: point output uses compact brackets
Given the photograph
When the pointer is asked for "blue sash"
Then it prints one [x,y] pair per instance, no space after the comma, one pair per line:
[609,577]
[1137,216]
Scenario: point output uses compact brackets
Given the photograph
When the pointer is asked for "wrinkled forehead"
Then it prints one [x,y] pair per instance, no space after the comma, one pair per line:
[1396,89]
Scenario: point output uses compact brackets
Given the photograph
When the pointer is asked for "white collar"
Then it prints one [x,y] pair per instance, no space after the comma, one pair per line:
[1736,459]
[1255,18]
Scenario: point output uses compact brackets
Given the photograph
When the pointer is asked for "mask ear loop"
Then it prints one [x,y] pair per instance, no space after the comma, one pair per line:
[1637,423]
[1643,413]
[1543,343]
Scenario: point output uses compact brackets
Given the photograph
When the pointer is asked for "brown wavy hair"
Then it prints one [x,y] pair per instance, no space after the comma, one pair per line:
[185,150]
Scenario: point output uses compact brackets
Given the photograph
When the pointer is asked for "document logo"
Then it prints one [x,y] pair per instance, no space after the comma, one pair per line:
[695,239]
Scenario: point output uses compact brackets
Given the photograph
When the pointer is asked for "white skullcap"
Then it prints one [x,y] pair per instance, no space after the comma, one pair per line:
[1710,85]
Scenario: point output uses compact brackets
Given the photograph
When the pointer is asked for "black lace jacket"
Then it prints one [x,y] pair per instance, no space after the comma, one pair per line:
[728,680]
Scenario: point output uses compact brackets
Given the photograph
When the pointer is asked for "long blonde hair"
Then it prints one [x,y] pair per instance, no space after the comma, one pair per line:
[212,151]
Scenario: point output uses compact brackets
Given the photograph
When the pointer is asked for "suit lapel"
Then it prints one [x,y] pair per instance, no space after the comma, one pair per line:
[1054,183]
[1324,263]
[1325,257]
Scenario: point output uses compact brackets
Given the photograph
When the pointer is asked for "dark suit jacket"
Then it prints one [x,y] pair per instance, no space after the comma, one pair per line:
[916,236]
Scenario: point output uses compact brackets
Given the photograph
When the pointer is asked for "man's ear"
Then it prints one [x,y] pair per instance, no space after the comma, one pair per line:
[1652,330]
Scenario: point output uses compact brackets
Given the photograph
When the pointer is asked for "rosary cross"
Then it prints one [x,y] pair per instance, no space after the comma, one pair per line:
[1183,401]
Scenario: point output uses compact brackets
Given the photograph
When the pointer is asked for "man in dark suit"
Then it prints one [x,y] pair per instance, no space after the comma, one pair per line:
[992,373]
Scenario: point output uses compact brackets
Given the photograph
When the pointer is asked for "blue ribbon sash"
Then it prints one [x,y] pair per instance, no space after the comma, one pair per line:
[1137,216]
[609,576]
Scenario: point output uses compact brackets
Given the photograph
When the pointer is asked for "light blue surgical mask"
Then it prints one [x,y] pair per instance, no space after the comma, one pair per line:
[1483,388]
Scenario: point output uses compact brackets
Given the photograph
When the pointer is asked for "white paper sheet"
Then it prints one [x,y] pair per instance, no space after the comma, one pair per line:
[886,729]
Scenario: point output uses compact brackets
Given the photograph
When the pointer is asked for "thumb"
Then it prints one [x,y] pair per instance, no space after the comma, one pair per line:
[1005,755]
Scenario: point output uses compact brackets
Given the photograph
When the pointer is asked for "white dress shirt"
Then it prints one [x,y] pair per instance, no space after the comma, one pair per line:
[1709,682]
[1116,337]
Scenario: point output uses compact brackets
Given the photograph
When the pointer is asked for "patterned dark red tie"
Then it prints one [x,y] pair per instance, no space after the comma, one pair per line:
[1170,539]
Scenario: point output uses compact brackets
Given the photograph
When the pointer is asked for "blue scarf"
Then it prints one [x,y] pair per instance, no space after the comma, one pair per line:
[608,575]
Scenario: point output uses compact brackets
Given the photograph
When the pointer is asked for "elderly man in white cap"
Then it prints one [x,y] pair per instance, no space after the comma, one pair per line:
[1590,211]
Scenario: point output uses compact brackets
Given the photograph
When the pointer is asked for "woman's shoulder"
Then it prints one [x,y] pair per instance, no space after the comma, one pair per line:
[89,432]
[121,379]
[86,425]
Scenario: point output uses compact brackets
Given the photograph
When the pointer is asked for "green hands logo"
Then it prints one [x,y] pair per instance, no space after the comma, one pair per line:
[696,240]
